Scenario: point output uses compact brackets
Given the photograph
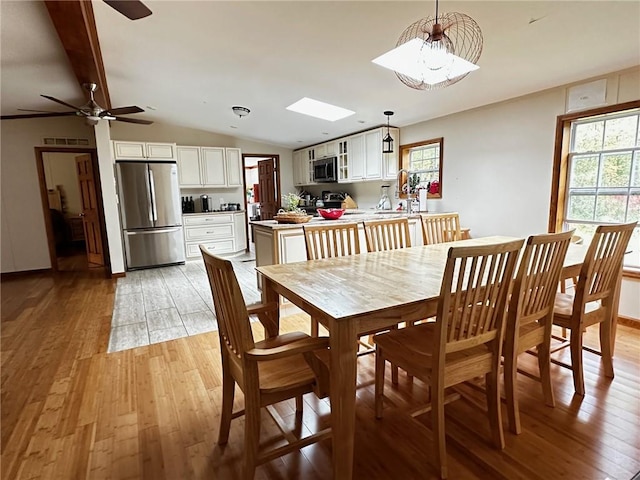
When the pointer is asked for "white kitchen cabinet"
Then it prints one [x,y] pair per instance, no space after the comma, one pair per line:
[365,160]
[356,157]
[221,233]
[143,150]
[373,155]
[320,151]
[189,166]
[343,160]
[216,167]
[300,168]
[233,163]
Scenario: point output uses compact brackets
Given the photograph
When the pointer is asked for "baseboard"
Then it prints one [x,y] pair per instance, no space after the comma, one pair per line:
[629,322]
[24,273]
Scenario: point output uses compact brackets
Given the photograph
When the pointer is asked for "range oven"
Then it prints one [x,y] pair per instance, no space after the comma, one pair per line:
[325,170]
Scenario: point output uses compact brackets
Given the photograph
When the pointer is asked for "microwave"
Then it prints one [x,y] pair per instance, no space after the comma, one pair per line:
[325,170]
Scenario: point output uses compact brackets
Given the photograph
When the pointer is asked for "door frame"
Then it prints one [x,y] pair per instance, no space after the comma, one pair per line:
[276,158]
[39,151]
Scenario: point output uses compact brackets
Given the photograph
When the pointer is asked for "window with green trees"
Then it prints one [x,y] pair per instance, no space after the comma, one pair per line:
[603,184]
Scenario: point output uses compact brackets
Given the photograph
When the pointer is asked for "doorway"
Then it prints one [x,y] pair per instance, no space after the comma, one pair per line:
[262,189]
[72,208]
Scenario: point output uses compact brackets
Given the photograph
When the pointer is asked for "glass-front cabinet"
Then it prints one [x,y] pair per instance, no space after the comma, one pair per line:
[343,160]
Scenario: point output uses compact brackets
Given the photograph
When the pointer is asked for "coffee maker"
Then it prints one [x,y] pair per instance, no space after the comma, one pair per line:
[204,201]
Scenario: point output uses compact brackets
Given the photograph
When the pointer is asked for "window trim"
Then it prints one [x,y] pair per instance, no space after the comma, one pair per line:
[403,159]
[560,173]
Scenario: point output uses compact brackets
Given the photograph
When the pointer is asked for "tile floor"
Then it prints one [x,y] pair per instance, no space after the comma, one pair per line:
[160,304]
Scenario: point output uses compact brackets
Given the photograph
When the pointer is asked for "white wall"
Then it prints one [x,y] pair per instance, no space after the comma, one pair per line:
[498,163]
[24,239]
[60,171]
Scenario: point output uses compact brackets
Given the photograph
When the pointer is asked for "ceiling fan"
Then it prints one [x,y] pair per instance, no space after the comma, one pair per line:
[92,112]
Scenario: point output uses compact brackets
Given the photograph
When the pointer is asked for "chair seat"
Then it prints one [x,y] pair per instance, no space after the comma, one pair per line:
[563,306]
[413,349]
[284,373]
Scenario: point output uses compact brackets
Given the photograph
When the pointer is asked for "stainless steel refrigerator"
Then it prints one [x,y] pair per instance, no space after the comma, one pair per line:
[150,213]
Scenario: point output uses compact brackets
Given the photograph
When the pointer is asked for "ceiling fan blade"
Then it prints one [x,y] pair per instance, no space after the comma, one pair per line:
[41,111]
[132,9]
[37,115]
[134,120]
[122,111]
[54,99]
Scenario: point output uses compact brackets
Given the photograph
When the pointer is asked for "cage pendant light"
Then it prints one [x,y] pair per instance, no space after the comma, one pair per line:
[447,48]
[435,52]
[387,141]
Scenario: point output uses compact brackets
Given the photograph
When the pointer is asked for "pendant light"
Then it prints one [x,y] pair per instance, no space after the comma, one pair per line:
[387,141]
[435,52]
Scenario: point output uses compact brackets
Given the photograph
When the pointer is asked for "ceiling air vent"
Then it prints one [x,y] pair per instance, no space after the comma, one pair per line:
[65,141]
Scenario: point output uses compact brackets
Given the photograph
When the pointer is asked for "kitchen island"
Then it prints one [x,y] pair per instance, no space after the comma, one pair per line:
[277,243]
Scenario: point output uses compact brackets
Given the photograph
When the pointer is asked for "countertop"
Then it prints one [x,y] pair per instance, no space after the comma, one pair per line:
[348,217]
[212,213]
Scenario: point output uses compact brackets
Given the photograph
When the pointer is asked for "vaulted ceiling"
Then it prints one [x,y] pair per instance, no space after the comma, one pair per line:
[190,61]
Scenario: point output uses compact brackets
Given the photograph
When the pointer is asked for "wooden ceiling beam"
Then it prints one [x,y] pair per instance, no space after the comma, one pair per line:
[76,27]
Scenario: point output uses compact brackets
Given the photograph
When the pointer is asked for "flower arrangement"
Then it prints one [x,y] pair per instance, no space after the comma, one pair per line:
[290,212]
[290,203]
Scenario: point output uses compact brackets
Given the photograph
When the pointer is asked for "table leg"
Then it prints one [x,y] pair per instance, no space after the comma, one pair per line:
[343,342]
[271,318]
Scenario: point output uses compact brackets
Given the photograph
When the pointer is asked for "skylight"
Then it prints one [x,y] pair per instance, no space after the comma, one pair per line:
[412,59]
[315,108]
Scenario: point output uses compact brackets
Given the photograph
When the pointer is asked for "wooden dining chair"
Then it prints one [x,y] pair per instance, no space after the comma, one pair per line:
[270,371]
[530,315]
[463,343]
[387,234]
[440,228]
[593,298]
[327,241]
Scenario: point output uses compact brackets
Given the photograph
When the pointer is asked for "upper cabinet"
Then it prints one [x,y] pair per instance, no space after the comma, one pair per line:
[323,150]
[209,167]
[303,167]
[361,158]
[143,151]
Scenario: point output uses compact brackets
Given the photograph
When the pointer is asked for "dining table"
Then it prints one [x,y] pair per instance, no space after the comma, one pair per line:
[355,294]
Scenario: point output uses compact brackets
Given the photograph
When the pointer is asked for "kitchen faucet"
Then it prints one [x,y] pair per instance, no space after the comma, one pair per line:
[400,189]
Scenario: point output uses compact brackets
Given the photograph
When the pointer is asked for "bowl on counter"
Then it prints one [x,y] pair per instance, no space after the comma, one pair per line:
[331,213]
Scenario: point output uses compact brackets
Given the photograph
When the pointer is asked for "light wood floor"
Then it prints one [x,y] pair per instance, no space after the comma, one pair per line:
[71,411]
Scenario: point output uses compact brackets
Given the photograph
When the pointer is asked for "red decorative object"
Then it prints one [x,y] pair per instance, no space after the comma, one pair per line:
[331,213]
[434,187]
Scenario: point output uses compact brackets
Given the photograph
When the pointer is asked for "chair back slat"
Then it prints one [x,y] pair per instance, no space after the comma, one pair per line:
[234,328]
[538,275]
[440,228]
[335,240]
[473,295]
[603,262]
[387,234]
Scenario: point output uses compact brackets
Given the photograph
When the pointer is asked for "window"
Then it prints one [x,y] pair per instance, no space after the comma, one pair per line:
[423,160]
[601,167]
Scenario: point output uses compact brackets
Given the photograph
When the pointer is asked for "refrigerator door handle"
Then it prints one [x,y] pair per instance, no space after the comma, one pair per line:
[154,231]
[154,208]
